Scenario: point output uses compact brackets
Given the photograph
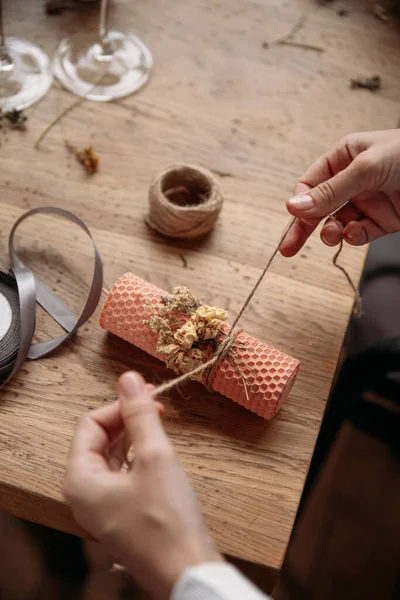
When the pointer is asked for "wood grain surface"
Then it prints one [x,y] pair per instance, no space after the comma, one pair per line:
[255,115]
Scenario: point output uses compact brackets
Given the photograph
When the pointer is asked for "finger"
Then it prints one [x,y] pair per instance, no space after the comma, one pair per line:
[332,193]
[328,165]
[338,158]
[332,231]
[120,450]
[94,434]
[139,412]
[302,188]
[381,210]
[348,212]
[296,238]
[358,233]
[120,447]
[160,407]
[117,453]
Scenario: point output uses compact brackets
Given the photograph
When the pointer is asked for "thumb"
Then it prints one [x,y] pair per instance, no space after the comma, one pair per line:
[140,414]
[331,194]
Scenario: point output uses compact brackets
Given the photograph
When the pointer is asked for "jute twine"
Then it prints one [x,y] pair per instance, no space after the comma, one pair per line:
[226,344]
[184,202]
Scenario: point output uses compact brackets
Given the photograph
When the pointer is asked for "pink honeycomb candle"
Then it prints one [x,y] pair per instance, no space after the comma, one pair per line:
[266,374]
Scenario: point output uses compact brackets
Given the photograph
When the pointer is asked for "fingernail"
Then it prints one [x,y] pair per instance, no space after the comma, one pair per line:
[327,237]
[301,202]
[130,385]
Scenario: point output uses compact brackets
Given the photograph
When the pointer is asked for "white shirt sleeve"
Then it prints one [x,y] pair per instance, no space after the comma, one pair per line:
[215,581]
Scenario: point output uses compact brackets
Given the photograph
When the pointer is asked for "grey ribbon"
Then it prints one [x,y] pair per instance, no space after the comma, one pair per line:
[31,290]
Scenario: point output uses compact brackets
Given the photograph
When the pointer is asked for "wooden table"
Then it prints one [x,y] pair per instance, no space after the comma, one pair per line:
[257,117]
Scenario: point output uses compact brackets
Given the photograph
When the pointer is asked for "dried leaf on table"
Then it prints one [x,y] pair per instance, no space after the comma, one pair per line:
[368,83]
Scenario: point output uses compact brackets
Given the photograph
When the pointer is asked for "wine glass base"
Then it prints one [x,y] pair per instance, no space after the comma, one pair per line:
[27,78]
[102,72]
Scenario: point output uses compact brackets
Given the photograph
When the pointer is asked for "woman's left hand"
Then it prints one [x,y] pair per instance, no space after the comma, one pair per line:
[149,515]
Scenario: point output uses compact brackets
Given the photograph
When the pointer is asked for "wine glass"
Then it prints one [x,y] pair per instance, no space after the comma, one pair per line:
[102,65]
[25,71]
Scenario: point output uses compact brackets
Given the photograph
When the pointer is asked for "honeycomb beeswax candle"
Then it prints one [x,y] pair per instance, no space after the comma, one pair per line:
[254,375]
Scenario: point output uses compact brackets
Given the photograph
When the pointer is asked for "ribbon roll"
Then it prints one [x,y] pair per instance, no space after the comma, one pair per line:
[20,289]
[9,322]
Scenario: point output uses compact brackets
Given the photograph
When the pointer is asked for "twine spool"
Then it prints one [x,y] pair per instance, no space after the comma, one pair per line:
[184,202]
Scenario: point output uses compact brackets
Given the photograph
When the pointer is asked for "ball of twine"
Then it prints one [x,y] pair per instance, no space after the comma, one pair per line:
[184,202]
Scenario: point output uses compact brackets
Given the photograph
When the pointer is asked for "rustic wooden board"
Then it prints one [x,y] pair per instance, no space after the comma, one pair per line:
[256,116]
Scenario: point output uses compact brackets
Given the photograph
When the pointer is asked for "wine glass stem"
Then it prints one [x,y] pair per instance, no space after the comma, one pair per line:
[103,26]
[2,40]
[5,61]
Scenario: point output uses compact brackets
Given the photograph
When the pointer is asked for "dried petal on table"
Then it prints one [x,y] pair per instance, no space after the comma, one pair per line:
[89,159]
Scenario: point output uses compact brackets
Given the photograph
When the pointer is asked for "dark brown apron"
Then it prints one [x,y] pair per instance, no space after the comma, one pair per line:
[346,540]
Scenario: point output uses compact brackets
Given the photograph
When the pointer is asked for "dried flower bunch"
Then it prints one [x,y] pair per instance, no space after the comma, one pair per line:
[185,328]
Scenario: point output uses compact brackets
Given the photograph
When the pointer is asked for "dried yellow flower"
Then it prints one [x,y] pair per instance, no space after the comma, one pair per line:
[208,320]
[183,362]
[186,335]
[176,339]
[168,349]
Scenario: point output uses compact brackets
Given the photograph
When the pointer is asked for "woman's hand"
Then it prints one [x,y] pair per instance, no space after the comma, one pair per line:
[360,179]
[149,515]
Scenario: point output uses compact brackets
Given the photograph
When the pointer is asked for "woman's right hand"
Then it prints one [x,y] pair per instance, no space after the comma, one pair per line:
[358,180]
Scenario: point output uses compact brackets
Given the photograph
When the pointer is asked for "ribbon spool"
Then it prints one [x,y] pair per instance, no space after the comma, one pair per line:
[20,289]
[184,202]
[9,323]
